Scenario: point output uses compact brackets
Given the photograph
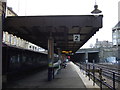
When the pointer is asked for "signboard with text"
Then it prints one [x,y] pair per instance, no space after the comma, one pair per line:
[76,37]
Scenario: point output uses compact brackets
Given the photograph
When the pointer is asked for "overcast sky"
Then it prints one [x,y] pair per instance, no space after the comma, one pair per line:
[71,7]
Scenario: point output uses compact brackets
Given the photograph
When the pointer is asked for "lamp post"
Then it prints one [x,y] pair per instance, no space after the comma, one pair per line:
[96,10]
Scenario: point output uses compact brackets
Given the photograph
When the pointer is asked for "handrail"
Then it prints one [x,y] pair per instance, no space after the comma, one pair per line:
[91,69]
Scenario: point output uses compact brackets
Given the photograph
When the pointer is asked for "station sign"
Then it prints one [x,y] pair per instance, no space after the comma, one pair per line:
[76,37]
[66,52]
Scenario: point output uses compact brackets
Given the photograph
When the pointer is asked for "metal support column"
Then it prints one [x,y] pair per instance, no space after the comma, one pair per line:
[50,58]
[0,52]
[2,17]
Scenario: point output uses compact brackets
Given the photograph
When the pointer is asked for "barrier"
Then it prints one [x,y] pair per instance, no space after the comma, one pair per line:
[91,71]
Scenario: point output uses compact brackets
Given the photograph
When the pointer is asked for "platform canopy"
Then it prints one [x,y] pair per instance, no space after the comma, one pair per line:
[37,29]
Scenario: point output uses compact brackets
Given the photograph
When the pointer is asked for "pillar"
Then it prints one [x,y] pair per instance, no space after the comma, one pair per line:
[0,52]
[86,57]
[2,17]
[50,58]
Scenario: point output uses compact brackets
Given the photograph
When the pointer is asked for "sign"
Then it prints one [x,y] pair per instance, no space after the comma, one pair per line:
[66,52]
[76,37]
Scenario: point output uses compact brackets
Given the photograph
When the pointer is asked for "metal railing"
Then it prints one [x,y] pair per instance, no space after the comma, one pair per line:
[98,73]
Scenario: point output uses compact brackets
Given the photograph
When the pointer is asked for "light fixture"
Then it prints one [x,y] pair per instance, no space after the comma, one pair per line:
[96,10]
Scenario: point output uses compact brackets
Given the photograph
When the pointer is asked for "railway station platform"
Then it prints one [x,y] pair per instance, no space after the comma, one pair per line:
[69,77]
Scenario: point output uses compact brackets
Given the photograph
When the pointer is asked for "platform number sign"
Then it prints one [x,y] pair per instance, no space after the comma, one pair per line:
[76,37]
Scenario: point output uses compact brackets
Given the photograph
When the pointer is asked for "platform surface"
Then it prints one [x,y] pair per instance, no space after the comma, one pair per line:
[66,78]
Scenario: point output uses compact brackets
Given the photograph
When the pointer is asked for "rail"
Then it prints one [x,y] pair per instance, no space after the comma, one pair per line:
[97,72]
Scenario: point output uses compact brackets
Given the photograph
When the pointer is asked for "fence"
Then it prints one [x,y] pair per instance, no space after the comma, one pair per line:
[100,74]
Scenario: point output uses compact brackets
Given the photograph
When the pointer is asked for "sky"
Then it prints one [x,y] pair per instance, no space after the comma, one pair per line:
[109,10]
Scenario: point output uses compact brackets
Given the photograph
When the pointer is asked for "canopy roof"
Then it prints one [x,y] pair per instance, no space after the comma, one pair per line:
[37,29]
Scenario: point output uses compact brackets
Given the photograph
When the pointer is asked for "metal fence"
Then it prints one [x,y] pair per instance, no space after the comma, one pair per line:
[101,74]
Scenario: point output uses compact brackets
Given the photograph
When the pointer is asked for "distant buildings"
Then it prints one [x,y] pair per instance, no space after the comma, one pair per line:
[116,34]
[7,11]
[1,8]
[115,38]
[103,44]
[13,40]
[10,12]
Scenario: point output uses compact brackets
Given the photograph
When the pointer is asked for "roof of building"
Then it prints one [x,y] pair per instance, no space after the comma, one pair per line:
[117,26]
[9,8]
